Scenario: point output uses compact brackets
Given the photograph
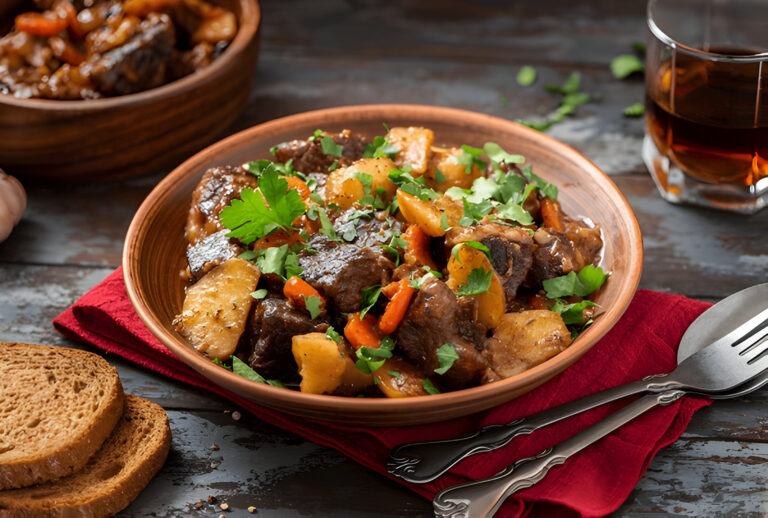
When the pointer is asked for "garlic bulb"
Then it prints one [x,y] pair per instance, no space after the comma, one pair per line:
[13,201]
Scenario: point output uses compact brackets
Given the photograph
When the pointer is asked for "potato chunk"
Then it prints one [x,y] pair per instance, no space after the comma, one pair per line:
[344,188]
[455,174]
[324,368]
[398,378]
[428,215]
[414,145]
[216,308]
[525,339]
[491,304]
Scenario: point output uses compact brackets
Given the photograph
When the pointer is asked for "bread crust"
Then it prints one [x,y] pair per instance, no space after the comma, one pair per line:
[111,479]
[57,406]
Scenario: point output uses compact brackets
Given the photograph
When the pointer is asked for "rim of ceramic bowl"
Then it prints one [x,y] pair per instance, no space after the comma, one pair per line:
[317,118]
[249,22]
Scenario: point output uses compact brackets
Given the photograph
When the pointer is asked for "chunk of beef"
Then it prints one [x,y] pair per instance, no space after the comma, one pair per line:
[435,317]
[217,188]
[558,253]
[511,250]
[364,227]
[341,271]
[308,156]
[139,64]
[272,323]
[211,252]
[587,243]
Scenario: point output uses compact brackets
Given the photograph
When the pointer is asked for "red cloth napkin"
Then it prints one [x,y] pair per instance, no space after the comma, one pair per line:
[594,482]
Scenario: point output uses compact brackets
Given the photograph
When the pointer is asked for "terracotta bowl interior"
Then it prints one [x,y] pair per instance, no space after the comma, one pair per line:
[134,134]
[155,245]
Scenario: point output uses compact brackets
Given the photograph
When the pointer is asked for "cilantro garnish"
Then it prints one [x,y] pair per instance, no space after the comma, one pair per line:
[259,294]
[571,99]
[333,334]
[626,65]
[330,147]
[588,280]
[498,155]
[526,76]
[326,227]
[250,218]
[446,356]
[472,244]
[369,297]
[248,255]
[474,211]
[469,158]
[395,374]
[570,86]
[429,387]
[478,281]
[314,305]
[546,188]
[333,166]
[439,176]
[370,359]
[636,110]
[242,369]
[280,260]
[258,167]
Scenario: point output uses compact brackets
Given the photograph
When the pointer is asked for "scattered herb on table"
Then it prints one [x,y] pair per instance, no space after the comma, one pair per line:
[526,76]
[626,65]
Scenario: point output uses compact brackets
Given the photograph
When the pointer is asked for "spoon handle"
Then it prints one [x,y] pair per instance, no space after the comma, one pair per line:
[421,462]
[482,498]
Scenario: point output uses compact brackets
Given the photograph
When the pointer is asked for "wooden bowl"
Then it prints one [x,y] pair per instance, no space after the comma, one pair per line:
[153,255]
[117,137]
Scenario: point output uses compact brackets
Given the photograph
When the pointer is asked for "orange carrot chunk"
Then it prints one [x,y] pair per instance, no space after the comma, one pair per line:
[362,333]
[39,24]
[294,182]
[297,289]
[551,215]
[396,308]
[418,247]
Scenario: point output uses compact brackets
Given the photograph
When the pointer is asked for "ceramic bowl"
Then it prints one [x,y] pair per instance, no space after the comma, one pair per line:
[154,250]
[118,137]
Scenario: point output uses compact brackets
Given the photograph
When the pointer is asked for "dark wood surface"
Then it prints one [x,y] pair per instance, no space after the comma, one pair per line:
[461,54]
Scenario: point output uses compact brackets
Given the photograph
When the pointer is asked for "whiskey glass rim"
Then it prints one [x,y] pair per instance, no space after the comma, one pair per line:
[666,39]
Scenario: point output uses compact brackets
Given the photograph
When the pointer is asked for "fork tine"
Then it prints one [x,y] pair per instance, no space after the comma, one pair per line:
[744,331]
[757,351]
[753,340]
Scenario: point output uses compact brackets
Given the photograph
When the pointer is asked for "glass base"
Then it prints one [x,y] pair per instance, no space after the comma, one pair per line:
[676,186]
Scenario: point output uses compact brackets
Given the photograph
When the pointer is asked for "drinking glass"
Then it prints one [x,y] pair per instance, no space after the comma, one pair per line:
[706,134]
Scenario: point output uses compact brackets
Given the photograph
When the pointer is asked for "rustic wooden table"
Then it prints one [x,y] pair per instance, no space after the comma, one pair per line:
[450,53]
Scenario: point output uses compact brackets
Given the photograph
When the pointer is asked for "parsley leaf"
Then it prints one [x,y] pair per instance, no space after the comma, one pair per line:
[439,176]
[588,280]
[498,155]
[468,158]
[395,374]
[626,65]
[380,148]
[279,260]
[636,110]
[369,297]
[330,147]
[526,76]
[314,305]
[333,334]
[513,211]
[370,359]
[242,369]
[259,294]
[249,218]
[221,364]
[258,167]
[429,387]
[413,186]
[478,281]
[570,86]
[472,244]
[546,188]
[333,166]
[572,314]
[446,356]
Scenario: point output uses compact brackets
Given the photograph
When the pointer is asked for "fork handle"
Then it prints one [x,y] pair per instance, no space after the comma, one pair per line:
[421,462]
[482,498]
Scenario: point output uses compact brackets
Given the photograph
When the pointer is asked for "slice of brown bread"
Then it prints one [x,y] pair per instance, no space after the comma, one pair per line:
[127,461]
[57,406]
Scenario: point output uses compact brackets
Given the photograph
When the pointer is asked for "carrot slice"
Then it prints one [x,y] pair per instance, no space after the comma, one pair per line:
[418,247]
[279,238]
[362,333]
[551,215]
[40,25]
[294,182]
[297,289]
[391,289]
[396,308]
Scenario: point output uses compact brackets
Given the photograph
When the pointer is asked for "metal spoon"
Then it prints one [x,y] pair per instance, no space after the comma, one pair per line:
[425,461]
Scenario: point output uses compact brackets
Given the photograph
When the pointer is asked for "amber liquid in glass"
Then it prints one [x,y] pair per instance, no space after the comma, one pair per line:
[712,120]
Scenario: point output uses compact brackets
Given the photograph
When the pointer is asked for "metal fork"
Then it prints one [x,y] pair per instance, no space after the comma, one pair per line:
[724,364]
